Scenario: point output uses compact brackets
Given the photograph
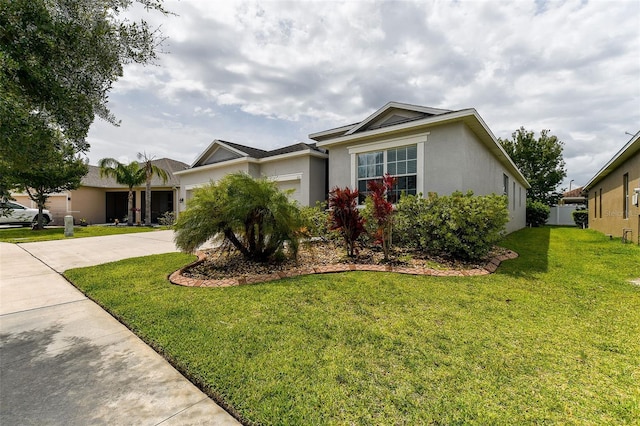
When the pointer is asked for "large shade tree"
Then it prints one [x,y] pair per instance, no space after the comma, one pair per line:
[540,160]
[131,175]
[58,61]
[47,163]
[150,169]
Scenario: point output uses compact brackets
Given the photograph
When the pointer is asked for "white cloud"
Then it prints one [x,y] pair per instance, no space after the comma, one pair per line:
[268,73]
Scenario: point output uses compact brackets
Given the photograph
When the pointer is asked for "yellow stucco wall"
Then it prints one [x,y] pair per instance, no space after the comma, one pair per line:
[606,211]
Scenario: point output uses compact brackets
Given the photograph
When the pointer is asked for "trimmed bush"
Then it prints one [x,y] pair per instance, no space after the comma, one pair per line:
[461,225]
[581,218]
[537,213]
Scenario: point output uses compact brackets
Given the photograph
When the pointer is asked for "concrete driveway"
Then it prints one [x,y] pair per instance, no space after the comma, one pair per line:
[64,360]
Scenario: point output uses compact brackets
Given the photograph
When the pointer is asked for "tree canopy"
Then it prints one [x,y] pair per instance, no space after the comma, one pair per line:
[540,160]
[58,61]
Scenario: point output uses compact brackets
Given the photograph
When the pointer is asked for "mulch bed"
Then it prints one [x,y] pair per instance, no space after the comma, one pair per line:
[223,268]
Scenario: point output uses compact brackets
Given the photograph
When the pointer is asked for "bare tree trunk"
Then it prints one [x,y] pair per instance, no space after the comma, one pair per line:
[147,203]
[130,204]
[40,200]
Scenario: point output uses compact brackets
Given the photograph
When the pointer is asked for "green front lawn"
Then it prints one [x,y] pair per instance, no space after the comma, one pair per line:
[27,235]
[552,338]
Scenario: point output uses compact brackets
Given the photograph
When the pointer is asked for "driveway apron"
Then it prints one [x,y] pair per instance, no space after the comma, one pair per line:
[64,360]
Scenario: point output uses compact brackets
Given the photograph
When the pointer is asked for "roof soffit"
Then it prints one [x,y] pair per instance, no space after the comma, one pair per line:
[630,149]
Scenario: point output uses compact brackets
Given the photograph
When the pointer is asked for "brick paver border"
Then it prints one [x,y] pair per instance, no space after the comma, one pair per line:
[179,279]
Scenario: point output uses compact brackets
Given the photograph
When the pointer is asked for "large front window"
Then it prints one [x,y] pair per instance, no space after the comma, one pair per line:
[400,162]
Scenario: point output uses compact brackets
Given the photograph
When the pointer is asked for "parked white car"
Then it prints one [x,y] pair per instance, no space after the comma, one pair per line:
[19,214]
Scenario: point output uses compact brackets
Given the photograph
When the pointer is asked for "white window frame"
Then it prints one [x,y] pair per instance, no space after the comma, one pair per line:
[418,141]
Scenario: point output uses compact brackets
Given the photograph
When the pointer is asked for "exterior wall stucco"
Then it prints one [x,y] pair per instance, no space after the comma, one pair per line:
[305,174]
[88,203]
[454,160]
[606,213]
[84,202]
[318,175]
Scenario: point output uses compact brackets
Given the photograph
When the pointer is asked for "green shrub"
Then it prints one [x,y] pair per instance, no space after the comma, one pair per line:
[460,225]
[581,218]
[537,213]
[168,218]
[253,215]
[315,221]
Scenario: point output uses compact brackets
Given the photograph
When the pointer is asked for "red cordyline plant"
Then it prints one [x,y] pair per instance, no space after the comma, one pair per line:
[382,210]
[345,216]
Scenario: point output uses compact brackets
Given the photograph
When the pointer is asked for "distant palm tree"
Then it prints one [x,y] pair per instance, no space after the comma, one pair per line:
[125,174]
[150,169]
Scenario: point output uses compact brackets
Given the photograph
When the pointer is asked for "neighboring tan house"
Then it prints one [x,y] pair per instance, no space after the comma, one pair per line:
[428,150]
[301,167]
[614,192]
[102,200]
[575,196]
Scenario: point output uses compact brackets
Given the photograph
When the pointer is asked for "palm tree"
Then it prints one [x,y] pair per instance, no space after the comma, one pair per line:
[125,174]
[150,169]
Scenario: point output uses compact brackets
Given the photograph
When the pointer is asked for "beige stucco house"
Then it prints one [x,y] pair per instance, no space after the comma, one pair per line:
[614,192]
[300,167]
[429,150]
[102,200]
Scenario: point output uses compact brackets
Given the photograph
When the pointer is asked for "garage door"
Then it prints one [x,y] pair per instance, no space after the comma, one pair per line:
[291,184]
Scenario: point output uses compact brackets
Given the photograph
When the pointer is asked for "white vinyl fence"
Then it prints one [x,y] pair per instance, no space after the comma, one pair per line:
[561,215]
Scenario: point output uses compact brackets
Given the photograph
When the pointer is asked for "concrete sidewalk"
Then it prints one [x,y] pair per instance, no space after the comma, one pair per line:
[64,360]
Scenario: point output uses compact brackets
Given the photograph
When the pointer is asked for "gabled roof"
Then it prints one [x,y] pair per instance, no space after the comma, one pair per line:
[629,150]
[424,118]
[391,114]
[369,123]
[219,152]
[93,179]
[232,150]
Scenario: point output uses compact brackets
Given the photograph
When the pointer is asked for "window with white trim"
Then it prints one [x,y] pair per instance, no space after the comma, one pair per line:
[401,162]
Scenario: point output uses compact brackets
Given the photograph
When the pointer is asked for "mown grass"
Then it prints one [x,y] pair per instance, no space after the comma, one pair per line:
[552,338]
[27,235]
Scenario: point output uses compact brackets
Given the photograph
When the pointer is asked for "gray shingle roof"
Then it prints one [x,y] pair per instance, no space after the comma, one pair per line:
[260,153]
[251,152]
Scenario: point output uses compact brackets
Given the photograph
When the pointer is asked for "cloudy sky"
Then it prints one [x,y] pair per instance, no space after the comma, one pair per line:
[268,73]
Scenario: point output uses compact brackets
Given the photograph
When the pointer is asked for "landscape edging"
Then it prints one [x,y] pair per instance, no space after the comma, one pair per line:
[178,278]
